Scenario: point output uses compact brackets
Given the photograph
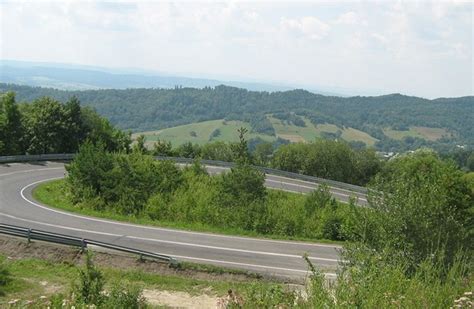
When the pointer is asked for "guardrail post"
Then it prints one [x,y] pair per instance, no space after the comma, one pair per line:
[83,244]
[140,258]
[173,262]
[29,235]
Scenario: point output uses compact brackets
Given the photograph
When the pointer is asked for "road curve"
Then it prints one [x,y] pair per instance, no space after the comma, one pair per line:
[281,258]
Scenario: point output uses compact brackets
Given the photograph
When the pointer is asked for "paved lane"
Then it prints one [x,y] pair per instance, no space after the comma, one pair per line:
[262,255]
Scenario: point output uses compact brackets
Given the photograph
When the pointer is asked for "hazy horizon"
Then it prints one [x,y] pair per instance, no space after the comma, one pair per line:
[422,49]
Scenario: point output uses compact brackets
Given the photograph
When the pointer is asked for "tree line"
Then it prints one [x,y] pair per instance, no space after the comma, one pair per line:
[151,109]
[329,159]
[48,126]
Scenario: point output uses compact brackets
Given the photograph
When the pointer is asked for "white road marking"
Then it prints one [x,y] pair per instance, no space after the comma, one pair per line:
[229,249]
[251,265]
[157,228]
[175,256]
[159,240]
[151,239]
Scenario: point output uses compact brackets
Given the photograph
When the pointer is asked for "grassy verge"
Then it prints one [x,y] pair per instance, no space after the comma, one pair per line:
[32,278]
[54,194]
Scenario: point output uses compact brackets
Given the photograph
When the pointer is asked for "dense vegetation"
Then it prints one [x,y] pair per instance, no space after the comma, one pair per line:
[48,126]
[410,248]
[137,185]
[322,158]
[147,109]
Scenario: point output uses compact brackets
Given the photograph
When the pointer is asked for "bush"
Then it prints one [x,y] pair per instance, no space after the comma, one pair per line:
[89,290]
[419,205]
[125,297]
[91,284]
[4,277]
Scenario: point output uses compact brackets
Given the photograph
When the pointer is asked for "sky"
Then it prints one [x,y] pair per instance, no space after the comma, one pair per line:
[417,48]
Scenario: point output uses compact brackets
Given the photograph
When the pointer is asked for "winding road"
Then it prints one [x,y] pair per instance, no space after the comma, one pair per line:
[273,257]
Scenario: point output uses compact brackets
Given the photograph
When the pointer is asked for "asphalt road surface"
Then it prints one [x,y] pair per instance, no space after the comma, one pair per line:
[280,258]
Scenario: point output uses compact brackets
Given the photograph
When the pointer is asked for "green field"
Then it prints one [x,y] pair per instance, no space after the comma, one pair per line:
[430,134]
[200,133]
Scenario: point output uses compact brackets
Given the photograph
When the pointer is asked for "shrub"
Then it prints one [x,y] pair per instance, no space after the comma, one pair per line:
[125,297]
[91,283]
[4,277]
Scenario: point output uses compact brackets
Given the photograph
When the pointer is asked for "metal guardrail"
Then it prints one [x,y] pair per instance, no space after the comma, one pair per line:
[41,157]
[267,170]
[32,234]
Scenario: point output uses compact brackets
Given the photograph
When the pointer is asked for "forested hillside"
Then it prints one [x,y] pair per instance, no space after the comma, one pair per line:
[48,126]
[391,119]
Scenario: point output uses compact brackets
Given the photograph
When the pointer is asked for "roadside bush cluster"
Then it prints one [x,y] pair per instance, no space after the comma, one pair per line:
[412,248]
[328,159]
[136,184]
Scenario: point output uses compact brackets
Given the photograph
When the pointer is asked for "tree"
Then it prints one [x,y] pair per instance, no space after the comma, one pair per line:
[240,149]
[217,151]
[91,284]
[162,148]
[88,171]
[11,128]
[46,126]
[139,145]
[244,184]
[74,130]
[263,152]
[420,205]
[100,130]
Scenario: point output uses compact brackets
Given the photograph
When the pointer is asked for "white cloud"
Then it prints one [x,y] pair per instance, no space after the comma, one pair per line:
[348,18]
[282,41]
[308,26]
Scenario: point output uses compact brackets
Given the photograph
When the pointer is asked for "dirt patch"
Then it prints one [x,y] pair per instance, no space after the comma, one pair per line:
[179,299]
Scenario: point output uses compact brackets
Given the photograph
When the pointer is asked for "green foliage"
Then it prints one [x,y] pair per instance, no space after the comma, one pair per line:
[218,151]
[11,126]
[139,145]
[188,150]
[125,297]
[4,276]
[328,159]
[243,185]
[368,281]
[151,109]
[88,171]
[123,182]
[420,205]
[258,296]
[240,149]
[263,153]
[91,284]
[162,148]
[47,126]
[135,184]
[89,290]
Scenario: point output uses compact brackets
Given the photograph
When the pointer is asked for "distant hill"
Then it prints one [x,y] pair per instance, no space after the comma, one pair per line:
[390,122]
[77,77]
[222,130]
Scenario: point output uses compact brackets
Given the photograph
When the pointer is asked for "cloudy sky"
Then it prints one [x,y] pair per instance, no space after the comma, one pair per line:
[416,48]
